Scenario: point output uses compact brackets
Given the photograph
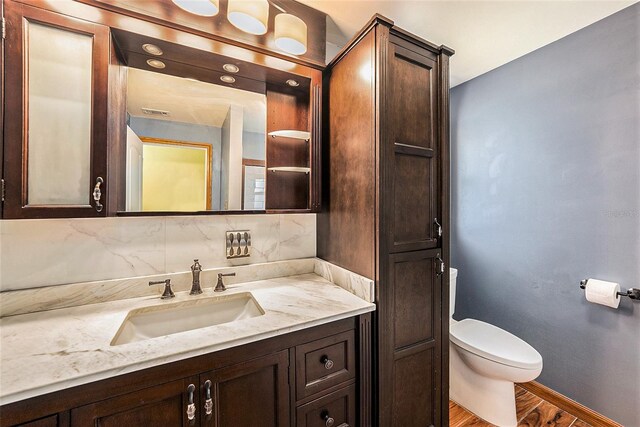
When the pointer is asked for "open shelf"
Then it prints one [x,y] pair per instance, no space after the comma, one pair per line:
[295,134]
[290,169]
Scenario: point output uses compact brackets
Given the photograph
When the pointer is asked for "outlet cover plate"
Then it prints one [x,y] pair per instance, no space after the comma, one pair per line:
[238,244]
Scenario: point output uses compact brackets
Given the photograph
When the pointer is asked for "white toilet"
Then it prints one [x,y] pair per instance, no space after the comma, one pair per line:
[485,362]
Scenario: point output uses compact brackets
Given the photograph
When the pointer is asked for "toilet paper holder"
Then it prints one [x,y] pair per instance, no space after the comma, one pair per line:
[632,293]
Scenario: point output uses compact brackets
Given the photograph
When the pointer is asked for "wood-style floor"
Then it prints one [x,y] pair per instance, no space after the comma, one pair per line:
[532,411]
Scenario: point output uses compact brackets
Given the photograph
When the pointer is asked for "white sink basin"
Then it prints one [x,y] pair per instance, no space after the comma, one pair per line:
[172,318]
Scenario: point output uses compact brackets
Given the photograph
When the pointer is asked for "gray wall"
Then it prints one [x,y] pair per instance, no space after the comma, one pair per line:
[254,145]
[545,192]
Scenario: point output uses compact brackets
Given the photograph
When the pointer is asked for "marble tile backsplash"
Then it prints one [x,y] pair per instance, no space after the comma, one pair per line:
[75,294]
[37,253]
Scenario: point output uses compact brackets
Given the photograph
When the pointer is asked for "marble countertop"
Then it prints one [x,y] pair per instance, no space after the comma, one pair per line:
[52,350]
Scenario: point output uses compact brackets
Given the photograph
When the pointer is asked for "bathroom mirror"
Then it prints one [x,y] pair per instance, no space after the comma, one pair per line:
[193,145]
[209,133]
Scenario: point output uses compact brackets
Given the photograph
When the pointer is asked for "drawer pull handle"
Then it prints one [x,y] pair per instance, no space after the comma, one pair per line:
[208,404]
[328,421]
[191,407]
[328,363]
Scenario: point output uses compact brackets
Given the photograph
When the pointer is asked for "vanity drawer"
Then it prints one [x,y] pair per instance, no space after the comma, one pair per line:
[337,409]
[324,363]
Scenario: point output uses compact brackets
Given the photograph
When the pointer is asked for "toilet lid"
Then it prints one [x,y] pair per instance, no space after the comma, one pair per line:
[495,344]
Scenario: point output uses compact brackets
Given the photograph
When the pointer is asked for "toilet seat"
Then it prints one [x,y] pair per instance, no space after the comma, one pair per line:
[490,342]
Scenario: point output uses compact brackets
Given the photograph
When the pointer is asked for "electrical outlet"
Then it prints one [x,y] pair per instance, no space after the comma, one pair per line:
[238,244]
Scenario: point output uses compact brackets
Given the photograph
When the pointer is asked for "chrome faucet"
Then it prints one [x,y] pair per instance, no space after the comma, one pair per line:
[196,268]
[168,292]
[220,285]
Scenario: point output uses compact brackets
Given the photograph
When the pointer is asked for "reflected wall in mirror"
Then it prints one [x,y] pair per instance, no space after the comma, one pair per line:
[193,146]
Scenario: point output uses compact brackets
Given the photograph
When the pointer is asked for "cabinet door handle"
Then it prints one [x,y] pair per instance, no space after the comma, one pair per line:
[208,403]
[441,266]
[328,421]
[191,407]
[97,193]
[328,363]
[438,227]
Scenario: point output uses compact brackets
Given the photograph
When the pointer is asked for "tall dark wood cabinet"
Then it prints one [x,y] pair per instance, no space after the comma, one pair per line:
[385,209]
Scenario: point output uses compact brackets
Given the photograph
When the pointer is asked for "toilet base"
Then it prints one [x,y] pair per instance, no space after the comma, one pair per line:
[493,400]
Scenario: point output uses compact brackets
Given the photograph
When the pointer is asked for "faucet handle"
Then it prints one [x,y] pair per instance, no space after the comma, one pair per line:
[220,285]
[168,292]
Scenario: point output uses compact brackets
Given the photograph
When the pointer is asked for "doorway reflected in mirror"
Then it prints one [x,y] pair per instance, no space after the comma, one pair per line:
[193,146]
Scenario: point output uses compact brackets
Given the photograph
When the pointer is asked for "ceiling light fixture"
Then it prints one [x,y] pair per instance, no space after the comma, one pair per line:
[199,7]
[156,63]
[230,68]
[292,83]
[152,49]
[227,79]
[250,16]
[290,34]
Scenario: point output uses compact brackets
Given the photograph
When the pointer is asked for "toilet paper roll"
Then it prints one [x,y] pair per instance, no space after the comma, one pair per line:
[603,292]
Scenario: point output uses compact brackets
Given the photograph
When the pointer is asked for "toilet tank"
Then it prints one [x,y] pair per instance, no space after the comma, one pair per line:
[453,275]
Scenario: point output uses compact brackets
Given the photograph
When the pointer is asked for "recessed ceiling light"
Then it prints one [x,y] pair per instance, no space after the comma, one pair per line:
[227,79]
[152,49]
[155,63]
[230,68]
[155,112]
[293,83]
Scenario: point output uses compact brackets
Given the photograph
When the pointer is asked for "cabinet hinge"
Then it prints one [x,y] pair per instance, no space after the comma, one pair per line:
[2,191]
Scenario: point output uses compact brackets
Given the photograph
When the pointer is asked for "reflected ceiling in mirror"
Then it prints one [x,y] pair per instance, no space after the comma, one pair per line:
[193,146]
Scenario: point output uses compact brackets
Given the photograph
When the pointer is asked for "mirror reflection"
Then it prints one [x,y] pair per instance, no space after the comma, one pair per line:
[193,146]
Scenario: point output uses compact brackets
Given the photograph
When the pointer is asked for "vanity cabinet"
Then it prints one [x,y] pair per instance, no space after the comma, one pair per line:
[160,405]
[305,378]
[252,393]
[55,124]
[386,209]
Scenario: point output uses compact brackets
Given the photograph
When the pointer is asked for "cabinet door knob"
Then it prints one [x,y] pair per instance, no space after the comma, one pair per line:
[191,407]
[328,363]
[208,403]
[97,193]
[328,421]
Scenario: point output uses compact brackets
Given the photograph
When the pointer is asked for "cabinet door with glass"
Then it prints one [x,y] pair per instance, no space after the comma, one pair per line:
[55,127]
